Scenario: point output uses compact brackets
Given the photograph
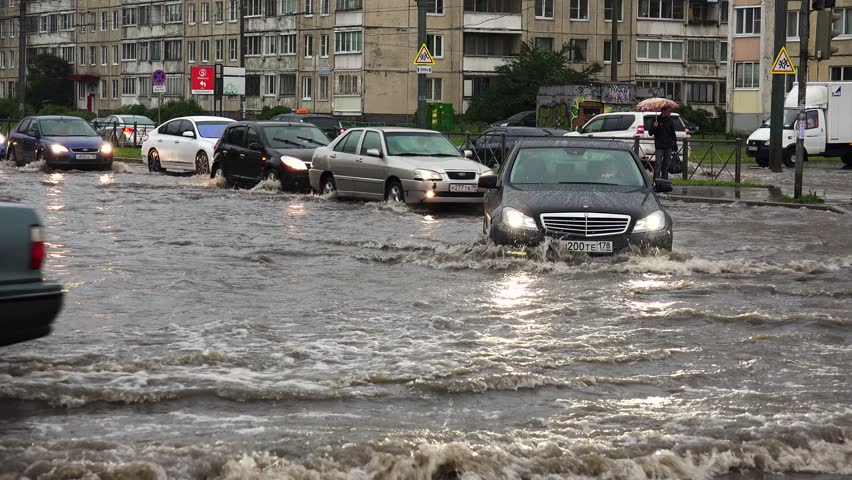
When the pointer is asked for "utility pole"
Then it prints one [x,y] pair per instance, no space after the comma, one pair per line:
[22,56]
[616,9]
[776,118]
[804,34]
[243,47]
[421,77]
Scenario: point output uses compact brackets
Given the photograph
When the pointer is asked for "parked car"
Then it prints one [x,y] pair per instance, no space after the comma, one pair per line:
[693,128]
[184,144]
[627,125]
[125,130]
[27,302]
[249,152]
[523,119]
[592,194]
[396,164]
[62,142]
[329,124]
[489,148]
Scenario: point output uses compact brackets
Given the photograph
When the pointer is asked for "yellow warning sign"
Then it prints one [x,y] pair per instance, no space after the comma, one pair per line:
[782,64]
[424,57]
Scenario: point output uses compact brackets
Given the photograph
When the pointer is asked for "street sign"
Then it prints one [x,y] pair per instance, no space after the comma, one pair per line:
[158,77]
[783,65]
[424,69]
[424,57]
[233,81]
[159,89]
[202,80]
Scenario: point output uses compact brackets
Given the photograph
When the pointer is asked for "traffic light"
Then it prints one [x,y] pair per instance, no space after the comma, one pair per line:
[822,4]
[825,32]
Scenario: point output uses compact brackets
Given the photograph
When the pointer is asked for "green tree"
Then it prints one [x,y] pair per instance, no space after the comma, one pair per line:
[47,82]
[516,86]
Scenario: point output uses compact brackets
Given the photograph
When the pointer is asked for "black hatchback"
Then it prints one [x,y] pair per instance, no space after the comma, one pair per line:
[329,124]
[591,195]
[249,152]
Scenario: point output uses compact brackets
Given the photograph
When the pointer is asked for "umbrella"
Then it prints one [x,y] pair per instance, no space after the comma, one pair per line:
[655,104]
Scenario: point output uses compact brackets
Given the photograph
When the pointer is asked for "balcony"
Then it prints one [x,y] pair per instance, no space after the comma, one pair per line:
[483,52]
[492,15]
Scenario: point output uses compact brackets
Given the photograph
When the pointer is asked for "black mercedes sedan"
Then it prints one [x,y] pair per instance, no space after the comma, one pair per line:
[593,196]
[250,152]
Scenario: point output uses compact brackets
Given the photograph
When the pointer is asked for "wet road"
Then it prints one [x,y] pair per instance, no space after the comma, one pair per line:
[211,333]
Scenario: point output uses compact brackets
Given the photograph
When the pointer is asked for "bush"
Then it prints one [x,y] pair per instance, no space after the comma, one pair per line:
[267,113]
[9,108]
[132,110]
[706,121]
[68,112]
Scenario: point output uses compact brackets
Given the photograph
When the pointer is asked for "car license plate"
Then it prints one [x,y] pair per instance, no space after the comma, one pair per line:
[752,149]
[464,187]
[86,156]
[587,246]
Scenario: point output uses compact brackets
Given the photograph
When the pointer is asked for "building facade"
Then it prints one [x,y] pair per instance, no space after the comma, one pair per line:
[354,58]
[752,53]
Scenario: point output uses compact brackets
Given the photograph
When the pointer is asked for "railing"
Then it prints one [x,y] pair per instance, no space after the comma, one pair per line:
[114,133]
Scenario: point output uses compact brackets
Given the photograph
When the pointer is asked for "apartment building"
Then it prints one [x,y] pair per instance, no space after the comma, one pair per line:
[752,40]
[354,57]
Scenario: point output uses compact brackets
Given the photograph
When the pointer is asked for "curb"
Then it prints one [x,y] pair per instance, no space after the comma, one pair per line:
[127,160]
[758,203]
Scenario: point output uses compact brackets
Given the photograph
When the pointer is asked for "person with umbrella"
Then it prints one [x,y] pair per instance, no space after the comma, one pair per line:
[665,136]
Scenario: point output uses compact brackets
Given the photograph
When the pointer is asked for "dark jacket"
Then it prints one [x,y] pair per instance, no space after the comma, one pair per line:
[664,134]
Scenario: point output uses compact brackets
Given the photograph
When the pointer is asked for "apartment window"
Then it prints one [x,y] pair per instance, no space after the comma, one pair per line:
[115,89]
[190,13]
[219,12]
[173,49]
[81,89]
[325,7]
[253,8]
[309,46]
[42,24]
[347,42]
[12,59]
[544,43]
[324,45]
[128,86]
[653,50]
[190,51]
[233,12]
[701,51]
[2,89]
[205,51]
[287,84]
[309,8]
[67,21]
[12,91]
[841,74]
[579,9]
[128,52]
[700,92]
[844,23]
[220,50]
[254,45]
[792,24]
[748,21]
[661,9]
[115,19]
[347,84]
[723,92]
[271,8]
[3,60]
[288,44]
[232,49]
[82,25]
[543,8]
[348,5]
[307,88]
[723,52]
[322,93]
[142,52]
[488,45]
[144,83]
[104,89]
[115,54]
[578,50]
[747,75]
[205,13]
[252,85]
[608,11]
[270,45]
[93,55]
[434,89]
[143,16]
[156,51]
[174,13]
[434,7]
[104,21]
[607,53]
[128,17]
[435,44]
[288,7]
[269,85]
[663,89]
[724,6]
[174,86]
[82,56]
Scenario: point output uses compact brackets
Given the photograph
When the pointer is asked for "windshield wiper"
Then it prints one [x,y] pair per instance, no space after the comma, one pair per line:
[442,155]
[287,141]
[311,140]
[587,183]
[410,154]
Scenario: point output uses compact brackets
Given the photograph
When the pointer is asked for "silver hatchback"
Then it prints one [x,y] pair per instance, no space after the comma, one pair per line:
[396,164]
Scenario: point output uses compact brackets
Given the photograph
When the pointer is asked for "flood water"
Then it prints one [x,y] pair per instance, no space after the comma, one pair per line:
[213,333]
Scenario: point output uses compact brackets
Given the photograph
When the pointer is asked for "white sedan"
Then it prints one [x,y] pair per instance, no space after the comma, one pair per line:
[183,144]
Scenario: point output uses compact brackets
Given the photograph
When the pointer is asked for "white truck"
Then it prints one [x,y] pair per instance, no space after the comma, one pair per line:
[828,133]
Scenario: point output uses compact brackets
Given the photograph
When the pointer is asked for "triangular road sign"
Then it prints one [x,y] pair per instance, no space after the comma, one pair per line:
[424,57]
[783,65]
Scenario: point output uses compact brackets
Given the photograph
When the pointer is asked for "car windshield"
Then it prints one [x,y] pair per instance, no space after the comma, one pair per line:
[324,123]
[517,116]
[300,136]
[211,129]
[790,117]
[425,144]
[137,119]
[67,127]
[571,165]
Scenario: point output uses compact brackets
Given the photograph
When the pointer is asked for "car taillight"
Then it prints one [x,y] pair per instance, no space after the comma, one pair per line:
[342,130]
[216,147]
[686,131]
[640,130]
[36,247]
[128,130]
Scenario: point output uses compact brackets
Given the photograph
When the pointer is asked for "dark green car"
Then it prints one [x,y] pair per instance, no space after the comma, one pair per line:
[28,304]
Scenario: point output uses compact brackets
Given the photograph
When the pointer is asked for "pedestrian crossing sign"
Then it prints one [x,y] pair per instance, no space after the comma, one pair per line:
[424,57]
[783,65]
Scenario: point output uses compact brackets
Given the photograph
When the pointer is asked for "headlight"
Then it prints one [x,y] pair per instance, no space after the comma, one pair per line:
[651,223]
[427,175]
[2,138]
[106,148]
[515,219]
[293,163]
[57,148]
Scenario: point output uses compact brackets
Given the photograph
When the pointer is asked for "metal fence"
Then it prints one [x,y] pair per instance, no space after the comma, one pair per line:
[121,135]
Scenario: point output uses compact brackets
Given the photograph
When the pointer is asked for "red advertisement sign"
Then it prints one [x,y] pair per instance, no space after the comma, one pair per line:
[202,81]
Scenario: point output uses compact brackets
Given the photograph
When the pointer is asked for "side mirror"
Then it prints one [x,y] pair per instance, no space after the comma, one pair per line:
[579,129]
[488,181]
[374,152]
[468,154]
[662,186]
[255,146]
[189,134]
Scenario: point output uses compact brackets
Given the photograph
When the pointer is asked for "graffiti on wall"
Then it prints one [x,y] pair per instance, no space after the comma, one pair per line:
[558,114]
[617,94]
[569,106]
